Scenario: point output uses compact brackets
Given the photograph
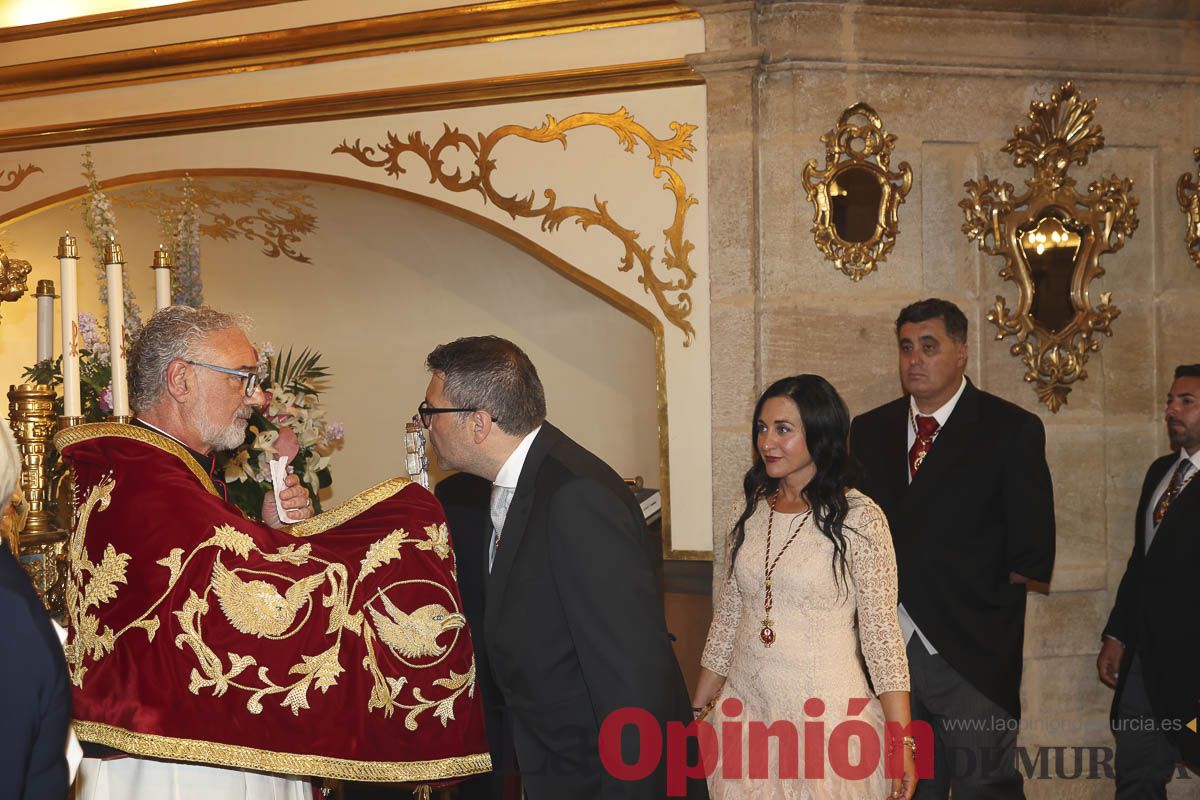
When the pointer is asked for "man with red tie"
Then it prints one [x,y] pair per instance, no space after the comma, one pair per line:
[1151,646]
[962,477]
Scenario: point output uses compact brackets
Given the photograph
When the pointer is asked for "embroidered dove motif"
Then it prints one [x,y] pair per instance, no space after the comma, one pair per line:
[415,635]
[256,607]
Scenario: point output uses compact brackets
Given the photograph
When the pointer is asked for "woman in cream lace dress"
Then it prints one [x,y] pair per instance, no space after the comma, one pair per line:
[811,595]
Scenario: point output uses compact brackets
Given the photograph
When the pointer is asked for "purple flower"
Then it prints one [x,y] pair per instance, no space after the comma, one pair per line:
[89,330]
[335,432]
[106,399]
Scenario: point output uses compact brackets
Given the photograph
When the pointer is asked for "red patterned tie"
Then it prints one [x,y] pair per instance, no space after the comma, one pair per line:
[927,428]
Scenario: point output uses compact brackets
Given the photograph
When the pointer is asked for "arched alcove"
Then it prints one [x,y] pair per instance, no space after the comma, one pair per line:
[374,277]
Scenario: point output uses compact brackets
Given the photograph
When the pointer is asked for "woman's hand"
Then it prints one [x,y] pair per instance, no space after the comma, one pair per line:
[904,787]
[708,689]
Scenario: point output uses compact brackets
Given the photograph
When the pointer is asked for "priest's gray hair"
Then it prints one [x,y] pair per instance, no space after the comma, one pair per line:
[494,375]
[174,332]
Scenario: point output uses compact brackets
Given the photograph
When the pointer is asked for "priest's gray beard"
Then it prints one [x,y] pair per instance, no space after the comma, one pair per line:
[221,437]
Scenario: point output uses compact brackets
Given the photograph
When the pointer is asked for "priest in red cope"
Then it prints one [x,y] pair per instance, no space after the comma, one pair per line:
[217,657]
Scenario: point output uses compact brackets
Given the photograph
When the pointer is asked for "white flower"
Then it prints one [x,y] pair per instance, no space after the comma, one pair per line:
[265,442]
[238,468]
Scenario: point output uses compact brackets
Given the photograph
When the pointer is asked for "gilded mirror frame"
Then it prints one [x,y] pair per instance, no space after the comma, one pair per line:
[858,142]
[1060,134]
[1188,192]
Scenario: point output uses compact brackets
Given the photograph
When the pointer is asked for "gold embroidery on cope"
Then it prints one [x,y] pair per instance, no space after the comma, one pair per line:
[263,604]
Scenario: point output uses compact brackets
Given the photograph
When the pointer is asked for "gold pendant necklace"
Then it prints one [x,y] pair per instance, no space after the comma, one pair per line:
[767,632]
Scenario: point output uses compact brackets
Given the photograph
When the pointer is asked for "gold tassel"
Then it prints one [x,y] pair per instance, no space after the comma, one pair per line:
[423,793]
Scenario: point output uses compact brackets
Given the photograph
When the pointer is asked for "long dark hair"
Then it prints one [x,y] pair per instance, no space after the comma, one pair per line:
[826,422]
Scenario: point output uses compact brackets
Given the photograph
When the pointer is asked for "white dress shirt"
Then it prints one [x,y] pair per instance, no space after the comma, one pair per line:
[907,626]
[504,487]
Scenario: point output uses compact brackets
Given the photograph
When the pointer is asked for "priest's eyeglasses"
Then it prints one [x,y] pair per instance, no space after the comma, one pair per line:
[251,378]
[426,412]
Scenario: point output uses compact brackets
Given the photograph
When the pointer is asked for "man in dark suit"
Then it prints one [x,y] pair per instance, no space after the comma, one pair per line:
[572,628]
[1151,643]
[962,477]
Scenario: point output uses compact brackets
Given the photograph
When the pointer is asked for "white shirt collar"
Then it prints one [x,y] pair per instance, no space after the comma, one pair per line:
[1183,456]
[943,413]
[510,472]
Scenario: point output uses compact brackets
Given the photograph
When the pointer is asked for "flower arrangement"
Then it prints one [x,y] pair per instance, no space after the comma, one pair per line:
[181,229]
[291,424]
[101,223]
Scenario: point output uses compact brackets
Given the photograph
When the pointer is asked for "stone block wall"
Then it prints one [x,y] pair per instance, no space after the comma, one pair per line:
[951,81]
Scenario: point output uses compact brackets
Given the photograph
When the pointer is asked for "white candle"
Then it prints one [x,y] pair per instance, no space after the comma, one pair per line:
[115,266]
[162,278]
[45,320]
[68,261]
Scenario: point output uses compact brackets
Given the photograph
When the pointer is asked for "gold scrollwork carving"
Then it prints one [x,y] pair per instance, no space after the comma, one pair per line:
[1188,192]
[1052,238]
[856,202]
[282,212]
[15,177]
[670,293]
[13,277]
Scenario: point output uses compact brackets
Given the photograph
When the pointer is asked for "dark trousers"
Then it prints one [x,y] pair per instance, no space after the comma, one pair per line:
[975,740]
[1145,756]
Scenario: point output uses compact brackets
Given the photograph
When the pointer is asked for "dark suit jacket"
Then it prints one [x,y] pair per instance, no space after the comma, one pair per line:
[466,499]
[573,628]
[35,697]
[1154,613]
[980,507]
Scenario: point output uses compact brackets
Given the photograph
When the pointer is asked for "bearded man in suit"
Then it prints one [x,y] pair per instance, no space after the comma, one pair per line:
[572,626]
[962,477]
[1151,644]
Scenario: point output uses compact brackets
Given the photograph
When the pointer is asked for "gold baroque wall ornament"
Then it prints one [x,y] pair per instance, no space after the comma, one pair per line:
[1052,238]
[15,177]
[1188,192]
[856,202]
[280,230]
[671,293]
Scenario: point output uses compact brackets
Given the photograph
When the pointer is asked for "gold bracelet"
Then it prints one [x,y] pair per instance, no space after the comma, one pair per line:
[703,711]
[905,741]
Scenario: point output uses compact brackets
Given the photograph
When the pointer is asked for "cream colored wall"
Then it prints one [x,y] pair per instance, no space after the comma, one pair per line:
[389,280]
[952,84]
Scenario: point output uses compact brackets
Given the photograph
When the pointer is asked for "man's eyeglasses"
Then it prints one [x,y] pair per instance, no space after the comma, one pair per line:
[251,378]
[426,412]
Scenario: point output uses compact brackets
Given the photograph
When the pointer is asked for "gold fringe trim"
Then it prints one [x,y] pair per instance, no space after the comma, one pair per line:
[349,509]
[240,757]
[95,430]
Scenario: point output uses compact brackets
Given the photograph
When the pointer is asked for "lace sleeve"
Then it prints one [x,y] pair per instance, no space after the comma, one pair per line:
[718,650]
[873,568]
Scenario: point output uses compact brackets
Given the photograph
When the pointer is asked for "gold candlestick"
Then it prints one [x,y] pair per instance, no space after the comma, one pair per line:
[42,540]
[31,414]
